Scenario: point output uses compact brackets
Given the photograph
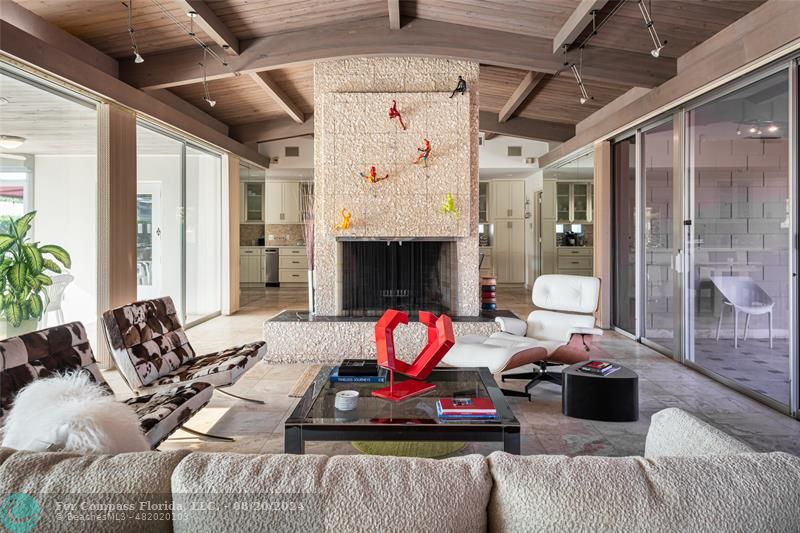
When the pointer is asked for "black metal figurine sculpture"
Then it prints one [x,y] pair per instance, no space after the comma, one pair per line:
[461,87]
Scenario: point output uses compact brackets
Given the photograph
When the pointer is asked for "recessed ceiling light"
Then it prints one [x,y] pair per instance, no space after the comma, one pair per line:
[753,130]
[11,141]
[772,129]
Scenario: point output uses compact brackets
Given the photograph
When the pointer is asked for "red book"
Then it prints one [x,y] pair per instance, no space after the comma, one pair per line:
[467,406]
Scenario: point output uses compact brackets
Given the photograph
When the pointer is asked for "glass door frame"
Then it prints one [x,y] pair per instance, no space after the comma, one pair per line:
[688,215]
[641,251]
[622,137]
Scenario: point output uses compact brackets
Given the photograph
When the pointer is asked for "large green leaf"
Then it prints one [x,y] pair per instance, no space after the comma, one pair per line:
[33,257]
[35,306]
[14,313]
[44,279]
[23,224]
[16,275]
[61,255]
[51,265]
[6,242]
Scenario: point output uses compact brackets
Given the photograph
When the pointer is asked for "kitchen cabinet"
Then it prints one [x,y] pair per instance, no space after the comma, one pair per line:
[509,251]
[251,265]
[283,202]
[292,265]
[252,202]
[574,203]
[483,202]
[575,260]
[507,199]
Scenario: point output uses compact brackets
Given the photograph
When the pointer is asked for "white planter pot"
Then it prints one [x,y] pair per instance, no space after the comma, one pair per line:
[7,330]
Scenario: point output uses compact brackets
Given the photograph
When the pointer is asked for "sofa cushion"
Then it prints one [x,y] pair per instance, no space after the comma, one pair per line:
[746,492]
[341,493]
[675,432]
[93,481]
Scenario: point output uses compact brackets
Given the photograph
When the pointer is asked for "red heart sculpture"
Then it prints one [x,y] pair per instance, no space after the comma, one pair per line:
[440,340]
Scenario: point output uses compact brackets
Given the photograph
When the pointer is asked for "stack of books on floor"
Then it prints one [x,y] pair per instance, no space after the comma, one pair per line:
[599,368]
[488,293]
[358,371]
[465,409]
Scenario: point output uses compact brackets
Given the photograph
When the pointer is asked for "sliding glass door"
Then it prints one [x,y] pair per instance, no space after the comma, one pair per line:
[203,234]
[179,224]
[739,240]
[624,206]
[658,305]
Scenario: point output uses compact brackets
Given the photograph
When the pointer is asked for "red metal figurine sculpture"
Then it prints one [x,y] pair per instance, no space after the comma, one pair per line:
[424,153]
[440,340]
[373,177]
[394,113]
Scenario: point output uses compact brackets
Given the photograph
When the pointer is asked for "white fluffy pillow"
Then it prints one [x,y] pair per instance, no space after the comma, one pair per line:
[73,413]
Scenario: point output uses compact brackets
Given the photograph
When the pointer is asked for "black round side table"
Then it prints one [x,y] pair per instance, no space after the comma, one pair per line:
[611,398]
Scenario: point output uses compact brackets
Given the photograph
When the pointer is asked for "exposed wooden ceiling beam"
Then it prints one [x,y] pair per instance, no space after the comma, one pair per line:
[394,14]
[420,37]
[265,82]
[272,130]
[211,25]
[527,128]
[528,83]
[576,23]
[488,136]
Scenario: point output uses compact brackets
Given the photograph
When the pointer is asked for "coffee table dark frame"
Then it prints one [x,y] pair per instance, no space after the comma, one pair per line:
[298,430]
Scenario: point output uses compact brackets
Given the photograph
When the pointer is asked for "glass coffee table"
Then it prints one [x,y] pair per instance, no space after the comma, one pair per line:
[316,419]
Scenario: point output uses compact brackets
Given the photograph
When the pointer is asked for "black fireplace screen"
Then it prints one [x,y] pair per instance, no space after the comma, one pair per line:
[409,276]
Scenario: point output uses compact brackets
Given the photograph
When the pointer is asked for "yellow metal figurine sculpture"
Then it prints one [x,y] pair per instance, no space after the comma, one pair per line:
[449,207]
[345,223]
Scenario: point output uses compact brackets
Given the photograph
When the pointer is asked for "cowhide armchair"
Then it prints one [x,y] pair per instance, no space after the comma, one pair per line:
[63,349]
[152,351]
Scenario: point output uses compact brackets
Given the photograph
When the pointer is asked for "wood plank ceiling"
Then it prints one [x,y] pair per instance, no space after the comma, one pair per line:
[555,98]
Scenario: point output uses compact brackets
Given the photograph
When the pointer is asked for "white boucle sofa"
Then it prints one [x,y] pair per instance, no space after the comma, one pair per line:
[692,477]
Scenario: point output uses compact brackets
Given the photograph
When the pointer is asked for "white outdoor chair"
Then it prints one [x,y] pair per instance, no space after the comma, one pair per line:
[745,295]
[55,296]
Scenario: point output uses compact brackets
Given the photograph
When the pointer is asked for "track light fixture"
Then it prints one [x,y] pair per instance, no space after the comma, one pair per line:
[137,57]
[648,21]
[576,71]
[206,94]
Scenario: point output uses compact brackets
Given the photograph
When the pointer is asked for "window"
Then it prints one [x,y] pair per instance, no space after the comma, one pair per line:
[54,171]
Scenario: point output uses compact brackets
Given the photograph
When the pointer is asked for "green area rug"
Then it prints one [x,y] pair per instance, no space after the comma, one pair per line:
[430,450]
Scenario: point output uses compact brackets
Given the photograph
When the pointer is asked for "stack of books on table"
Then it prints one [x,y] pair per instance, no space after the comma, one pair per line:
[465,408]
[358,371]
[599,368]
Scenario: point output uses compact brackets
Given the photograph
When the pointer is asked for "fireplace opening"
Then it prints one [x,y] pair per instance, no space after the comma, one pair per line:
[409,276]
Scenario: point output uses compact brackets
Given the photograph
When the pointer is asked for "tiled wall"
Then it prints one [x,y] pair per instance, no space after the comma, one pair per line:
[249,233]
[285,233]
[352,131]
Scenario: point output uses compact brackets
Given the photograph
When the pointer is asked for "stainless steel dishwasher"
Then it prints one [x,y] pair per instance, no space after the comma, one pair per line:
[271,267]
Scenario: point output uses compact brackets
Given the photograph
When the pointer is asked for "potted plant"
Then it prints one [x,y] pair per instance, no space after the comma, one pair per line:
[24,274]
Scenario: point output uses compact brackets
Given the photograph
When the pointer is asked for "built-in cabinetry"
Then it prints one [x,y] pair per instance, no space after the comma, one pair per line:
[292,265]
[483,202]
[508,199]
[252,265]
[576,260]
[507,213]
[574,202]
[487,261]
[252,202]
[283,202]
[566,209]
